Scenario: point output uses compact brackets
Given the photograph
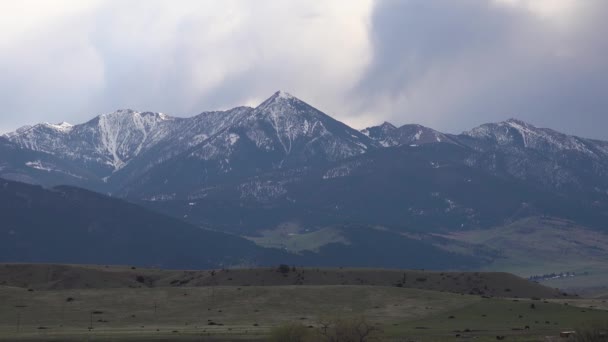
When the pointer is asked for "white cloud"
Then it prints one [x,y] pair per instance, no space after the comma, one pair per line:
[447,64]
[79,58]
[556,9]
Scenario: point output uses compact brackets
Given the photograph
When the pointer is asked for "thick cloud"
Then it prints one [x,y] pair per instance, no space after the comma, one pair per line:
[72,61]
[455,64]
[447,64]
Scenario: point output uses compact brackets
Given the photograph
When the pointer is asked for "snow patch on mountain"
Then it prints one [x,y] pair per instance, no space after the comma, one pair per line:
[47,167]
[38,166]
[261,191]
[343,170]
[233,138]
[123,134]
[62,127]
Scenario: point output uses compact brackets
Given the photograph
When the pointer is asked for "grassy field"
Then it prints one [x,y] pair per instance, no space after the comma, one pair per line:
[489,318]
[92,303]
[291,238]
[248,313]
[235,312]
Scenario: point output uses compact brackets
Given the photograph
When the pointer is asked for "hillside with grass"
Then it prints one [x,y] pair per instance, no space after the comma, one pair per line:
[69,277]
[72,225]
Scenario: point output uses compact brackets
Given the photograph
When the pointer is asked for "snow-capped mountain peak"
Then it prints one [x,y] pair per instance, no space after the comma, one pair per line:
[109,140]
[130,113]
[517,133]
[518,122]
[124,134]
[62,126]
[280,103]
[128,150]
[383,134]
[290,129]
[511,131]
[289,118]
[412,134]
[387,125]
[284,95]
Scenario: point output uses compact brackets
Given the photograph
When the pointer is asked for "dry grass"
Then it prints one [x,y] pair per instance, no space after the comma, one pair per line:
[245,312]
[42,277]
[121,303]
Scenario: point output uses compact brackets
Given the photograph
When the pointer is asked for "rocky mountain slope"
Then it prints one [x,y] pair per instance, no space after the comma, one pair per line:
[110,142]
[514,148]
[35,167]
[285,161]
[551,159]
[282,133]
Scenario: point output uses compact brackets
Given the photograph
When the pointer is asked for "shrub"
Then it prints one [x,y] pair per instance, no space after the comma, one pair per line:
[291,333]
[351,329]
[591,332]
[347,329]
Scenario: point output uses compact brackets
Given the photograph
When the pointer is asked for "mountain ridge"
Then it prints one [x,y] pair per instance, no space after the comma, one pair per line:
[262,155]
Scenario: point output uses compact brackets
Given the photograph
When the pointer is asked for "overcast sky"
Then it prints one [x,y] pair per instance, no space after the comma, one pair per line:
[448,64]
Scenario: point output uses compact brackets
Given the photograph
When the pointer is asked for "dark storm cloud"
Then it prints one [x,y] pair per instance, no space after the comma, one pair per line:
[456,64]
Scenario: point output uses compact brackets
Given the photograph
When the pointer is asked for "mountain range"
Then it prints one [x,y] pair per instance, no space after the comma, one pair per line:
[285,166]
[120,152]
